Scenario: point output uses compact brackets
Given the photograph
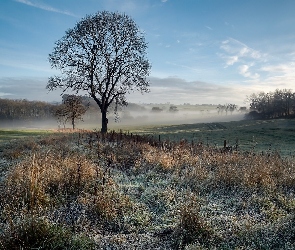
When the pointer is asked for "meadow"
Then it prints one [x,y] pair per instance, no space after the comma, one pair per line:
[259,136]
[7,135]
[135,190]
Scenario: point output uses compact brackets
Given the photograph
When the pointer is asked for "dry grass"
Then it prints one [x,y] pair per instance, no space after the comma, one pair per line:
[121,189]
[38,233]
[191,226]
[43,178]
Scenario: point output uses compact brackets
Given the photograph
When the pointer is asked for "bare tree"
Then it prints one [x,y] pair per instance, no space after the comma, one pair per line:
[104,55]
[231,108]
[71,109]
[61,116]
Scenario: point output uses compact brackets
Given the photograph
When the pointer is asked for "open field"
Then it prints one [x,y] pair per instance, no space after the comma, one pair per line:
[250,135]
[14,134]
[85,191]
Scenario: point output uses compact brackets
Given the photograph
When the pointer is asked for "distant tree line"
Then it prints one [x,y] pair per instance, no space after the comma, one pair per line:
[71,109]
[277,104]
[226,108]
[25,110]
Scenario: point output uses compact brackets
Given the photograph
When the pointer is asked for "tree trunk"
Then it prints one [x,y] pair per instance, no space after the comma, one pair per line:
[73,122]
[104,122]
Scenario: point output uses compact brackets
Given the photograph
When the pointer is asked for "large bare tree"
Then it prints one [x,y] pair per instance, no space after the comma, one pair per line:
[104,55]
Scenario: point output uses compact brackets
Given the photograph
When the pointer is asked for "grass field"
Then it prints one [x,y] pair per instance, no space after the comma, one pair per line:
[250,135]
[87,191]
[13,134]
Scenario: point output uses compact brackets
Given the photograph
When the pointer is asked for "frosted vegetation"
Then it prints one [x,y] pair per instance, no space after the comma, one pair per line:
[122,191]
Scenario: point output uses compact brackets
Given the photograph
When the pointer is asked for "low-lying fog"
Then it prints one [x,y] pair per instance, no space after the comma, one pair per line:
[24,124]
[137,118]
[132,118]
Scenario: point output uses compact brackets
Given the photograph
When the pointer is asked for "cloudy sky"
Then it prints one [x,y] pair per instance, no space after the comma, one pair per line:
[201,51]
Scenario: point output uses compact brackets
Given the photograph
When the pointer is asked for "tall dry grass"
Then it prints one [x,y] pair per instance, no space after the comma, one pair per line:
[43,179]
[218,168]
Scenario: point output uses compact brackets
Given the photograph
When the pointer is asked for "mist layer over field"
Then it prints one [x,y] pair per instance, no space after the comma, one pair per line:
[25,124]
[133,116]
[137,118]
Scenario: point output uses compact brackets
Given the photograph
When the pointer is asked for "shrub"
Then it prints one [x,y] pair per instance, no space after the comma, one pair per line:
[44,179]
[191,227]
[37,233]
[109,207]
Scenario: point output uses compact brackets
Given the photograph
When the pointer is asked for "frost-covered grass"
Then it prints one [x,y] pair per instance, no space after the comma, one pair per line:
[132,192]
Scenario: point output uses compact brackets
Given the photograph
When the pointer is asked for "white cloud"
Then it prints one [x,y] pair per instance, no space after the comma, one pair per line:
[178,91]
[273,76]
[262,72]
[280,75]
[169,89]
[248,60]
[232,60]
[234,51]
[244,71]
[31,88]
[45,7]
[280,68]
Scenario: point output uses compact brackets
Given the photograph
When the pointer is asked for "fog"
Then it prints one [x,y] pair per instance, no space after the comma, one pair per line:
[129,118]
[149,118]
[25,124]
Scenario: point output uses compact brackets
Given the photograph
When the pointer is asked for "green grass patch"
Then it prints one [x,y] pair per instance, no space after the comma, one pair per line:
[7,134]
[250,135]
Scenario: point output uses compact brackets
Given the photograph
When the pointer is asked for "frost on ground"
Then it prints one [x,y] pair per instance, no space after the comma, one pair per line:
[130,192]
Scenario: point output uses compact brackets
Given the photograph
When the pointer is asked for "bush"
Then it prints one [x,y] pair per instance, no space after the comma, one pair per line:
[109,207]
[191,227]
[37,233]
[43,179]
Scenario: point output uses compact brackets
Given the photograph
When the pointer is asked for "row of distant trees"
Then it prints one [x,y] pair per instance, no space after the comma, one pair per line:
[71,109]
[277,104]
[25,110]
[226,108]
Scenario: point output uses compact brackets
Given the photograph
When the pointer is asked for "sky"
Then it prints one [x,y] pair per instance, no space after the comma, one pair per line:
[201,51]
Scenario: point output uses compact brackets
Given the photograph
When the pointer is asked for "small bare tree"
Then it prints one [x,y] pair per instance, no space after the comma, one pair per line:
[104,55]
[60,116]
[71,109]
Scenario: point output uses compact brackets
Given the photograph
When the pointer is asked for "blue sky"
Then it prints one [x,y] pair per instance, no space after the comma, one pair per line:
[201,51]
